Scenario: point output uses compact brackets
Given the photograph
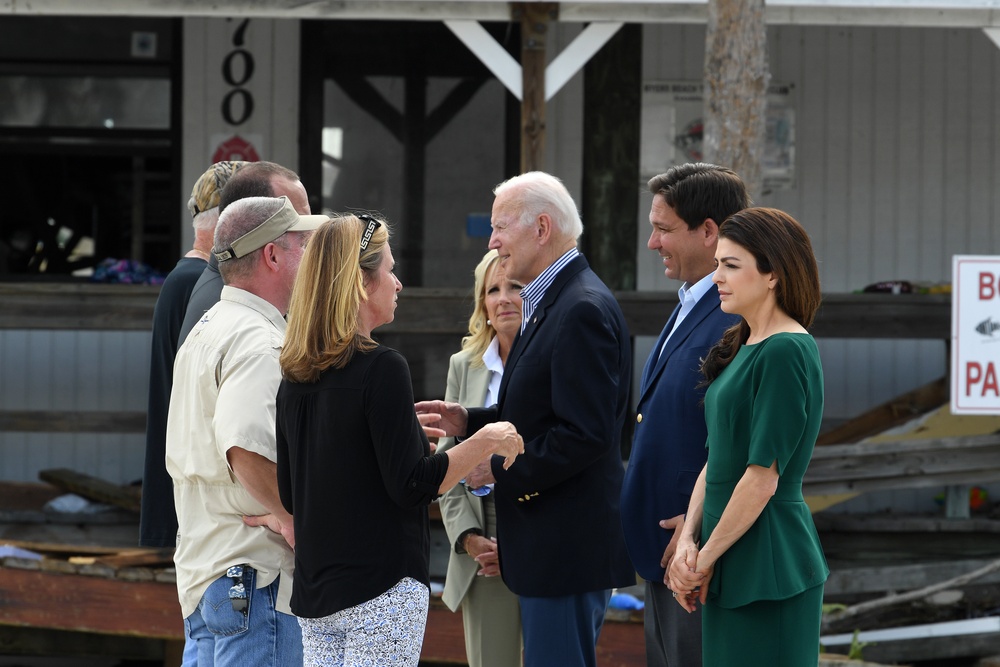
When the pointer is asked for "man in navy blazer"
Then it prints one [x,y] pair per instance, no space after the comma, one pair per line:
[565,388]
[668,448]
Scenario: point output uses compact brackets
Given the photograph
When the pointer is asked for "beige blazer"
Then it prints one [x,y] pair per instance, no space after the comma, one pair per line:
[461,510]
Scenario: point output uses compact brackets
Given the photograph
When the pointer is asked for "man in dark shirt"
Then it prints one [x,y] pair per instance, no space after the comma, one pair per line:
[157,520]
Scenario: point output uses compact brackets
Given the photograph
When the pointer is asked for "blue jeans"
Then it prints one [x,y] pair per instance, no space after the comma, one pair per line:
[225,637]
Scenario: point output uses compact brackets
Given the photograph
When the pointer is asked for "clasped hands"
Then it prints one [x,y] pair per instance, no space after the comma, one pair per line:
[483,550]
[686,577]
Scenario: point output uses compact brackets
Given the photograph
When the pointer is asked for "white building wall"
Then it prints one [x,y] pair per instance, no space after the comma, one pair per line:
[73,370]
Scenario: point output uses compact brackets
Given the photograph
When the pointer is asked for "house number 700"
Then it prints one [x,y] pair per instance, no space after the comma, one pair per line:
[237,69]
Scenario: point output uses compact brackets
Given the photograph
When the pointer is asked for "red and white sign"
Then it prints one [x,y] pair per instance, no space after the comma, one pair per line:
[975,335]
[235,148]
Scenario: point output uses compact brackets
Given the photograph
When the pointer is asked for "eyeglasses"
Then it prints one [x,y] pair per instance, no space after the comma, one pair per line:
[371,224]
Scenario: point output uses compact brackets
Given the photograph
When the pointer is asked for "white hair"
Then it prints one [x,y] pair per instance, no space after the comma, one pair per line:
[537,192]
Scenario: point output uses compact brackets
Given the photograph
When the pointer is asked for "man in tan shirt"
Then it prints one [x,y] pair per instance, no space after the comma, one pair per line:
[233,577]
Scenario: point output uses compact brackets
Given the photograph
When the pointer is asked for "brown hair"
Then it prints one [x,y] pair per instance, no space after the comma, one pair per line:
[326,299]
[780,245]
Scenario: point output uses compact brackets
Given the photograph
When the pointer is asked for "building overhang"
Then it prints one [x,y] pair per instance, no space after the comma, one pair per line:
[899,13]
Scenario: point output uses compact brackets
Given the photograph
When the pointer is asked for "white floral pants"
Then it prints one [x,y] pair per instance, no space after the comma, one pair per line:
[387,631]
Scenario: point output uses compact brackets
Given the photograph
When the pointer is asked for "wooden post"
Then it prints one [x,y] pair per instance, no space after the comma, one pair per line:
[611,107]
[736,80]
[535,18]
[411,241]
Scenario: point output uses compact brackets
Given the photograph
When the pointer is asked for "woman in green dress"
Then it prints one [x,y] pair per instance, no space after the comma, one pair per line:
[749,551]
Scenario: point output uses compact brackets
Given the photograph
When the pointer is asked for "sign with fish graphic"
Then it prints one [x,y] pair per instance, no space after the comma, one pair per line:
[975,335]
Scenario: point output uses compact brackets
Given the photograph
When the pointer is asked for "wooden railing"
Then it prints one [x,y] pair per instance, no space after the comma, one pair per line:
[424,310]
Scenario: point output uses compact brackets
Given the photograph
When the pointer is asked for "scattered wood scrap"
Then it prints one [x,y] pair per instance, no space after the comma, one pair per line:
[93,488]
[838,618]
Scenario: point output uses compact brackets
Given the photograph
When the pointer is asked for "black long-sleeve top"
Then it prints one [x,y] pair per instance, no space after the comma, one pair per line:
[356,473]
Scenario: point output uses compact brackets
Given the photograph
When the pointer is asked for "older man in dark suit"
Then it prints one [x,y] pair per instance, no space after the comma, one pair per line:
[565,388]
[668,449]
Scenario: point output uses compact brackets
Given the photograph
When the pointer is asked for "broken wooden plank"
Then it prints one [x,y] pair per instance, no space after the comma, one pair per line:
[73,421]
[871,466]
[61,548]
[897,577]
[89,604]
[93,488]
[895,411]
[839,618]
[139,558]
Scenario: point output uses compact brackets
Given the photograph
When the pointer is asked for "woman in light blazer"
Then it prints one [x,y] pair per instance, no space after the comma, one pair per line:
[490,612]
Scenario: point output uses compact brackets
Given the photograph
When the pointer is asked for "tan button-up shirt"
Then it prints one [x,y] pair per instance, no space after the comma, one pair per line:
[226,376]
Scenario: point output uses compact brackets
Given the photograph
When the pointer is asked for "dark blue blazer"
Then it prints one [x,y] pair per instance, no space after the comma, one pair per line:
[668,447]
[565,387]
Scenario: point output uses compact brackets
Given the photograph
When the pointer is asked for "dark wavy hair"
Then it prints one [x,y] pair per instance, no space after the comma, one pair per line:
[780,245]
[699,190]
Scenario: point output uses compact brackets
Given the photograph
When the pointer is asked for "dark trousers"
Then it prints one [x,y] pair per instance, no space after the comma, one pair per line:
[562,630]
[673,636]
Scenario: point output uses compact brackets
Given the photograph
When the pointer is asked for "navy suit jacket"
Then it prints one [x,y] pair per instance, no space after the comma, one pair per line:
[565,387]
[668,447]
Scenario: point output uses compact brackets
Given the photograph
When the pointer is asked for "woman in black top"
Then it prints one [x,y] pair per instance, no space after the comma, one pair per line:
[354,466]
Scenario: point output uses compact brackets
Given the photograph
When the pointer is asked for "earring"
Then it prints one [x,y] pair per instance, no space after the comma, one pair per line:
[489,323]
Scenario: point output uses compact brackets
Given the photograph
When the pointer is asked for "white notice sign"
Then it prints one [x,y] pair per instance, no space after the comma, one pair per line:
[975,335]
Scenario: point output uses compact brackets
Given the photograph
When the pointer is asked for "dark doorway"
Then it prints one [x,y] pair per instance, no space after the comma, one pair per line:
[89,131]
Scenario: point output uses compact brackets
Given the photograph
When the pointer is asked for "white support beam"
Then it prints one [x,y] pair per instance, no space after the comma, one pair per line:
[508,70]
[576,55]
[993,34]
[489,51]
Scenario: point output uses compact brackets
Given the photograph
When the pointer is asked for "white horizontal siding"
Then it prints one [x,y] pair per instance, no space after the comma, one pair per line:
[73,370]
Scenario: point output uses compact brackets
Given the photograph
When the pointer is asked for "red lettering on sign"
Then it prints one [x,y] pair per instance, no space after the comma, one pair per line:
[986,288]
[975,375]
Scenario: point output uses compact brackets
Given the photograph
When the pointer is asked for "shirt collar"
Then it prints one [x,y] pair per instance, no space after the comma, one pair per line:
[533,292]
[491,357]
[693,293]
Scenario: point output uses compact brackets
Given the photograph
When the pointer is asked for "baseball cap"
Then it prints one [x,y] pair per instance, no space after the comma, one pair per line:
[285,220]
[207,189]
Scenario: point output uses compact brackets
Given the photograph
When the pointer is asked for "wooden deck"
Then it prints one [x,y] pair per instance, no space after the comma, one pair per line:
[91,582]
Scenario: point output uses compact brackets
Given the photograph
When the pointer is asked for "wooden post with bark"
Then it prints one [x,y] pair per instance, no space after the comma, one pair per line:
[736,81]
[535,18]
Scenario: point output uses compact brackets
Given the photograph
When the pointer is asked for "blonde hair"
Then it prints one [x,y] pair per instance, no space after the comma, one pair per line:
[481,332]
[326,300]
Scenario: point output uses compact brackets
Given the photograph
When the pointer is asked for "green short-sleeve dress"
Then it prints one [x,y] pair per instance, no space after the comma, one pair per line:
[765,598]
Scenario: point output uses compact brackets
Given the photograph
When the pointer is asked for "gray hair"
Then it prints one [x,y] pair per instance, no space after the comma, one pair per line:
[536,192]
[206,221]
[239,218]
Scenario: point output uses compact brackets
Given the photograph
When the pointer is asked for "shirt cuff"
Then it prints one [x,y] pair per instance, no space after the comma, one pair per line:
[459,549]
